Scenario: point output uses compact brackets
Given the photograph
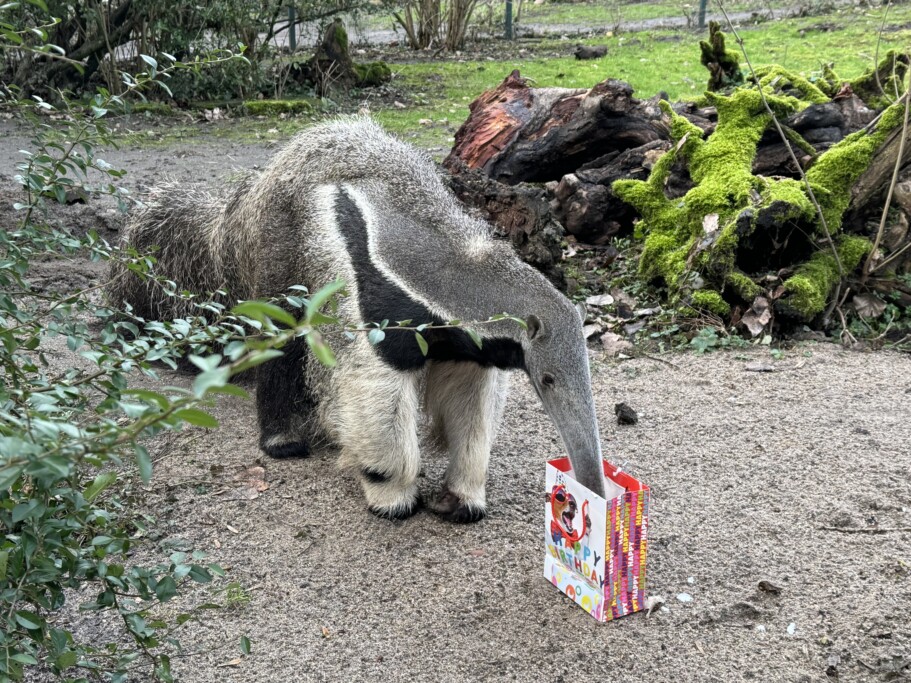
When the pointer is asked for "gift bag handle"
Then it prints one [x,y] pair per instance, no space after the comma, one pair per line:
[572,538]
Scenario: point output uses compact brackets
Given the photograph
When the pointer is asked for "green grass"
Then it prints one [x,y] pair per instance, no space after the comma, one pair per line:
[608,13]
[598,14]
[649,61]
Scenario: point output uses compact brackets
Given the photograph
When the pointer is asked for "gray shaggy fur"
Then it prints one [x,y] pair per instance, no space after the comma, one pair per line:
[299,222]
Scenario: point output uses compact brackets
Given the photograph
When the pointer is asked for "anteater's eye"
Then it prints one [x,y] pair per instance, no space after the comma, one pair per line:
[548,379]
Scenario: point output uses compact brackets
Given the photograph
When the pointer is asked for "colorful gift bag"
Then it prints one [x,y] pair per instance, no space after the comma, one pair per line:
[596,547]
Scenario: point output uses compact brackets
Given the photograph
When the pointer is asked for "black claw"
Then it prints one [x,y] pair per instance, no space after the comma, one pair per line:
[451,508]
[465,514]
[398,512]
[293,449]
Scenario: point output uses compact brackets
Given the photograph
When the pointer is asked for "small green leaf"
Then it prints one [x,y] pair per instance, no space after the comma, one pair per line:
[29,620]
[321,350]
[197,417]
[258,358]
[422,343]
[375,336]
[66,659]
[262,310]
[322,296]
[245,645]
[24,658]
[150,396]
[144,461]
[165,589]
[200,574]
[475,337]
[211,379]
[99,484]
[150,61]
[4,560]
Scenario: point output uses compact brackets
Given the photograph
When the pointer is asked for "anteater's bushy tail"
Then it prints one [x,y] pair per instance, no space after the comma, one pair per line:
[184,229]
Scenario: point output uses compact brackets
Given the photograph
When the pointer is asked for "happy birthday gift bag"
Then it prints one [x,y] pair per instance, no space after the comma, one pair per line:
[596,547]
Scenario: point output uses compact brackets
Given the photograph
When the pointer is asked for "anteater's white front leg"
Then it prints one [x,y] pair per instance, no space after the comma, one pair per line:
[377,430]
[465,402]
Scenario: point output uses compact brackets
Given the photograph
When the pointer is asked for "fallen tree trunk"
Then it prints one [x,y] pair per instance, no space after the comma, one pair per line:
[516,133]
[726,219]
[585,203]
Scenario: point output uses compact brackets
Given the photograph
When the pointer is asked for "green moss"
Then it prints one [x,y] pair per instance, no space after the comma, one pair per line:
[276,107]
[743,286]
[809,288]
[371,74]
[341,36]
[830,82]
[880,86]
[156,108]
[775,77]
[839,168]
[723,65]
[710,300]
[674,233]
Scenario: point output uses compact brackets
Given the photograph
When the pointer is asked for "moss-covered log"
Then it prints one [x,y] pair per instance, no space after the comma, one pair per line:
[734,228]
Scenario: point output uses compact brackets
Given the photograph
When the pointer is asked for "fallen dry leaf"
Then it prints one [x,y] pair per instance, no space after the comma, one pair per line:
[868,305]
[252,480]
[590,331]
[600,300]
[759,315]
[326,632]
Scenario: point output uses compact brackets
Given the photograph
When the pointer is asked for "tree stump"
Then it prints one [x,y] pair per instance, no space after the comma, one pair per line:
[331,67]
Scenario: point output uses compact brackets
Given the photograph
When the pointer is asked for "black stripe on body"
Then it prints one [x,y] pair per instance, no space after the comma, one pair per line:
[381,299]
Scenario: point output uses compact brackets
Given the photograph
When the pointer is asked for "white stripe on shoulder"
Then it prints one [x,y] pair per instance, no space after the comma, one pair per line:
[370,220]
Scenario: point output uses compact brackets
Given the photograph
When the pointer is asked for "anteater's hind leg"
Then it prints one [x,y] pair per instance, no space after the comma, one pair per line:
[377,429]
[284,403]
[465,402]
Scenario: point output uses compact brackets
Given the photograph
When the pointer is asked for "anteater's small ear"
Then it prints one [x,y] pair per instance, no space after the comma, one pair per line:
[533,326]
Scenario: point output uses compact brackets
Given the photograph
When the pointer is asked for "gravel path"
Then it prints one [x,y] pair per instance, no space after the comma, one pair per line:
[755,477]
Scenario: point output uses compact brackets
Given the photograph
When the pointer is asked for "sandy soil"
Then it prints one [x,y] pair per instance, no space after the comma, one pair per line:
[777,477]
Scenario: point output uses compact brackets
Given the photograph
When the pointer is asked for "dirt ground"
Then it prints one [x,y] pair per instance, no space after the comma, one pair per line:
[781,477]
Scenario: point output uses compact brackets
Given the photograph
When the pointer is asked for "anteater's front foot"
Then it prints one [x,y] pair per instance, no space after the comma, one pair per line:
[387,497]
[453,508]
[399,511]
[281,446]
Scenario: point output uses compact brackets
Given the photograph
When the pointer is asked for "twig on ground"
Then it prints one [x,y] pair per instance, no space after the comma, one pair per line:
[641,354]
[868,266]
[879,37]
[872,530]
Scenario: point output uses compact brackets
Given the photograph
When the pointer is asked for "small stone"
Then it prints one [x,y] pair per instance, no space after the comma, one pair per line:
[792,628]
[684,597]
[625,414]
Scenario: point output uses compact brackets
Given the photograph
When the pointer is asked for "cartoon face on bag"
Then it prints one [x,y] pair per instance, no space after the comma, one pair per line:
[567,523]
